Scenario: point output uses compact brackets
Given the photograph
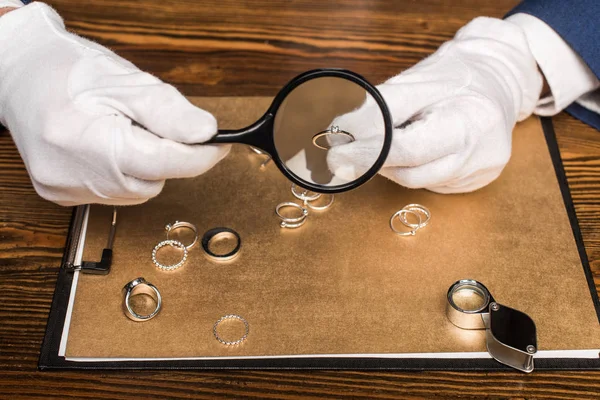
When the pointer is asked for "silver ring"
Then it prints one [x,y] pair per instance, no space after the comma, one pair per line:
[290,225]
[217,234]
[172,243]
[413,231]
[178,225]
[235,342]
[140,286]
[420,209]
[334,130]
[323,207]
[302,217]
[304,196]
[259,151]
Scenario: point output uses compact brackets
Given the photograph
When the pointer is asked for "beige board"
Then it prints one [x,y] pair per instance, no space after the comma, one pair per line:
[344,283]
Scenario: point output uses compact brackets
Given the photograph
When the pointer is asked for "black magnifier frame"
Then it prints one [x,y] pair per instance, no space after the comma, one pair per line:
[261,133]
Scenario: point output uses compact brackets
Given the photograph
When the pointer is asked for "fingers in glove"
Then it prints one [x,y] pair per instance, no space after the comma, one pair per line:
[144,155]
[404,101]
[441,131]
[97,189]
[102,83]
[470,183]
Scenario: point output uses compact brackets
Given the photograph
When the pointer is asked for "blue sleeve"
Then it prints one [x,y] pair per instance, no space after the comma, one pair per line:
[578,23]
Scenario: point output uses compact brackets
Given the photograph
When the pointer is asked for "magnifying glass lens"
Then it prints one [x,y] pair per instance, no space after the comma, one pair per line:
[469,298]
[318,130]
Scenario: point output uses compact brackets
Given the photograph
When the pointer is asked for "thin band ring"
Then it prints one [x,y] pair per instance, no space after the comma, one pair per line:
[334,130]
[140,286]
[323,207]
[284,224]
[292,220]
[234,342]
[420,209]
[172,243]
[304,195]
[177,225]
[399,214]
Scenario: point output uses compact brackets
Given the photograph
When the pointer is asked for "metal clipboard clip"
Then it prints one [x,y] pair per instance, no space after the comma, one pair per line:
[101,267]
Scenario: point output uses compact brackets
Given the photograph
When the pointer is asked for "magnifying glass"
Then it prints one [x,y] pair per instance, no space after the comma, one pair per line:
[299,129]
[510,334]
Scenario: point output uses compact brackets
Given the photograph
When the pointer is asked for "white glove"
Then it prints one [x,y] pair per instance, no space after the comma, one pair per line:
[11,3]
[90,126]
[462,104]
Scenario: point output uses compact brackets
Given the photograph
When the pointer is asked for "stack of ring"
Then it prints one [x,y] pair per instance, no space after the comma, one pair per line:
[422,210]
[140,286]
[308,197]
[180,225]
[323,207]
[400,214]
[305,195]
[417,210]
[291,222]
[172,243]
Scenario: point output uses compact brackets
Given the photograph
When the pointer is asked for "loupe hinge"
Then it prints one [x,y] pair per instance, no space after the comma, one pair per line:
[507,355]
[510,337]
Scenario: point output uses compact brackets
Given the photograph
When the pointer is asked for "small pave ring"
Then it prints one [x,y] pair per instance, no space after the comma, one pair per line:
[172,243]
[234,342]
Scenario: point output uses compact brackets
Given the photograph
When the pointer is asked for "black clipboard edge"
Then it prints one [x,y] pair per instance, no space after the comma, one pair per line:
[50,360]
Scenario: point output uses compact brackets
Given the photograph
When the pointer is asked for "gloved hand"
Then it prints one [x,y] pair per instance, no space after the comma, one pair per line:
[90,126]
[453,112]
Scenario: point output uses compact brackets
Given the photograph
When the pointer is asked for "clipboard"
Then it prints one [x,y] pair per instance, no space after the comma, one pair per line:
[334,305]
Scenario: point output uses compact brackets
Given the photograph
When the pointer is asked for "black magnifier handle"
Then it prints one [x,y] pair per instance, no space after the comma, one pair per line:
[259,134]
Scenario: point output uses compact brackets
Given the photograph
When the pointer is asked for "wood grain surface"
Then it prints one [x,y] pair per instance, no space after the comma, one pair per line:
[217,48]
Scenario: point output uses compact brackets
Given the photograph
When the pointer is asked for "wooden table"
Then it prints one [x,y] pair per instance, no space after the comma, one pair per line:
[233,48]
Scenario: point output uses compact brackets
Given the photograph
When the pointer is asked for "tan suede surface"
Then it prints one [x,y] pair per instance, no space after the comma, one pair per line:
[344,283]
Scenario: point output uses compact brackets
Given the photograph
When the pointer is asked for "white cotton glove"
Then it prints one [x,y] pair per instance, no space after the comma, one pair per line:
[90,126]
[461,105]
[11,3]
